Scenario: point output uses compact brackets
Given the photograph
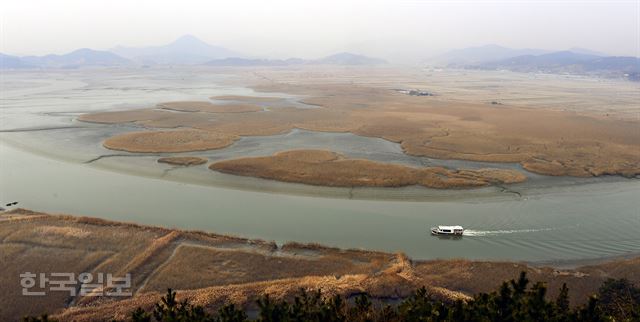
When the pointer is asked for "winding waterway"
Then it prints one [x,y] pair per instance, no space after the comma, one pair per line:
[50,162]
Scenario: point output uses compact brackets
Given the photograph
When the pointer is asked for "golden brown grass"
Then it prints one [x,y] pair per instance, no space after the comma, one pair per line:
[542,140]
[472,277]
[326,168]
[46,244]
[168,141]
[66,232]
[240,266]
[212,270]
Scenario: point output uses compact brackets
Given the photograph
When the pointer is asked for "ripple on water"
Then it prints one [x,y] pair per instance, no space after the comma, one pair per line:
[556,218]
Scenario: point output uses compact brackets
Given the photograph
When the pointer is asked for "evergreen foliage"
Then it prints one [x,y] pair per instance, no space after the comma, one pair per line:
[514,301]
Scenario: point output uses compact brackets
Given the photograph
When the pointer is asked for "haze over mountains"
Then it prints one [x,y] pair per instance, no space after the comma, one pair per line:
[186,50]
[488,53]
[189,50]
[573,61]
[475,55]
[75,59]
[567,62]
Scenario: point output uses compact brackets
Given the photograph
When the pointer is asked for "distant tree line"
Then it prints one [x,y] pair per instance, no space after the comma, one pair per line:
[616,300]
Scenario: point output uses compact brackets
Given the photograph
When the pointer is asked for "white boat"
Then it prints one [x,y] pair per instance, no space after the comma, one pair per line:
[447,230]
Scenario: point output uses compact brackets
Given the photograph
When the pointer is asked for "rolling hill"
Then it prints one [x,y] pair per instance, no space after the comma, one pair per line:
[567,62]
[76,59]
[12,62]
[186,50]
[475,55]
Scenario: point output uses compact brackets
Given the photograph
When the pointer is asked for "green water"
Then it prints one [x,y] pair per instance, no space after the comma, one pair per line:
[43,151]
[577,222]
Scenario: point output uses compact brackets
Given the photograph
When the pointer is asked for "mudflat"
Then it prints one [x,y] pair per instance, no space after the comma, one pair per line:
[183,161]
[543,140]
[208,107]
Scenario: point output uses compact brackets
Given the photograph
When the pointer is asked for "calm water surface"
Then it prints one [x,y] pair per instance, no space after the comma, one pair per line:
[42,165]
[578,222]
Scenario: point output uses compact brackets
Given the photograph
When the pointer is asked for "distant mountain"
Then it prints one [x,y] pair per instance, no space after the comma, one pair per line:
[348,59]
[186,50]
[343,59]
[79,58]
[12,62]
[476,55]
[585,51]
[569,62]
[623,63]
[528,63]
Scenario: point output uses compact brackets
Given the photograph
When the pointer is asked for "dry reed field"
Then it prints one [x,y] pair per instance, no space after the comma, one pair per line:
[212,270]
[542,137]
[168,141]
[326,168]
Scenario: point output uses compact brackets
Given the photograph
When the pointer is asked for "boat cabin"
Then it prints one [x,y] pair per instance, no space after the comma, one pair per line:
[447,230]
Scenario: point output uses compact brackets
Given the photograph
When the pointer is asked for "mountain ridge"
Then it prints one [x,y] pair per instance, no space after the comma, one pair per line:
[568,62]
[340,59]
[83,57]
[185,50]
[478,54]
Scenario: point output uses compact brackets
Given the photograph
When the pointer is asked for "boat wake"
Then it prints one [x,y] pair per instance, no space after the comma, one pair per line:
[471,232]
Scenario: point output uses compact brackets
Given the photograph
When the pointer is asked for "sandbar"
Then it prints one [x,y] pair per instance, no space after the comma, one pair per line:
[326,168]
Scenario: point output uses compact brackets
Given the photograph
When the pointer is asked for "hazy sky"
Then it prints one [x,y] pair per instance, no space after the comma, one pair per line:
[303,28]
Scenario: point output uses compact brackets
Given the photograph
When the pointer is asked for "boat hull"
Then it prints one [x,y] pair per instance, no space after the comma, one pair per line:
[440,233]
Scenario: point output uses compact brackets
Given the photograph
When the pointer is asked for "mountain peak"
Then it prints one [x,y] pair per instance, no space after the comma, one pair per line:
[186,49]
[189,43]
[188,39]
[84,51]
